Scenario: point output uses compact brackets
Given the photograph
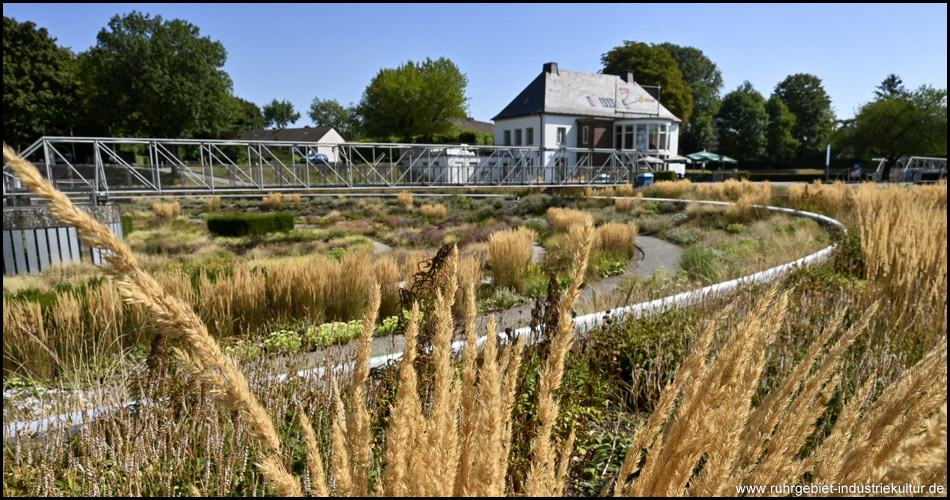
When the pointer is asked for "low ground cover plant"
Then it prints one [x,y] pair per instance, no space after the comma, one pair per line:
[250,224]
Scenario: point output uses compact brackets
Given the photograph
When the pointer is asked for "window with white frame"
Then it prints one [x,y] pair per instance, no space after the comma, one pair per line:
[641,137]
[517,137]
[561,136]
[529,136]
[507,138]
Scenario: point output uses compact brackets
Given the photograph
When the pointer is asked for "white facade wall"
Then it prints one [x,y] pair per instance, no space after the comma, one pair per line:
[551,124]
[674,138]
[515,170]
[523,123]
[455,166]
[545,135]
[326,145]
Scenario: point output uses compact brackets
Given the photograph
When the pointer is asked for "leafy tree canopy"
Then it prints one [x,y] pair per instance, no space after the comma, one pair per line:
[892,86]
[780,142]
[414,100]
[705,82]
[279,113]
[653,65]
[807,100]
[247,116]
[742,122]
[150,77]
[329,113]
[40,86]
[904,124]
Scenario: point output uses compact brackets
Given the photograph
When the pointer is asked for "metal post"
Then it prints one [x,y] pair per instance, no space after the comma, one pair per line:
[827,162]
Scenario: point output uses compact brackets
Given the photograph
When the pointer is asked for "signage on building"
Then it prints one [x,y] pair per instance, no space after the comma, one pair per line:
[630,100]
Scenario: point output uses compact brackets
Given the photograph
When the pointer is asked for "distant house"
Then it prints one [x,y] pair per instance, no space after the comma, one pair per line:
[326,136]
[472,125]
[563,109]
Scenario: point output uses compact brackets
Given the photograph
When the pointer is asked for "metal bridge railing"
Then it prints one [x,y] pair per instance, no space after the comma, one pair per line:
[100,166]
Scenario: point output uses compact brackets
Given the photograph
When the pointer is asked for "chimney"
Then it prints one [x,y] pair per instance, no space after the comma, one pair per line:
[551,68]
[627,75]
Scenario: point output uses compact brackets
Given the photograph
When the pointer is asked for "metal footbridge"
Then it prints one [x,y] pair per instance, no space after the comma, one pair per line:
[104,166]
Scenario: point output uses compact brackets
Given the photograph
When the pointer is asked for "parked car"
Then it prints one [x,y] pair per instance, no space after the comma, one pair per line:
[317,158]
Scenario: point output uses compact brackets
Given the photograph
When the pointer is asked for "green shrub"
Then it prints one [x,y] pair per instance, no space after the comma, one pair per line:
[127,226]
[664,175]
[611,263]
[700,264]
[735,228]
[250,224]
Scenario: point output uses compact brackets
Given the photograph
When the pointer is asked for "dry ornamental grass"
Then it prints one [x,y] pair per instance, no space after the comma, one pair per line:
[432,212]
[167,211]
[563,218]
[711,430]
[510,254]
[668,189]
[405,200]
[617,237]
[212,204]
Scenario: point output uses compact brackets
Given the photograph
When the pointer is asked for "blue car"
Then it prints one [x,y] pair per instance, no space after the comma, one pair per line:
[318,158]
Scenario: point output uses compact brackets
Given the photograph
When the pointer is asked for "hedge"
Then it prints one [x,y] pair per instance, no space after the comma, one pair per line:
[250,224]
[664,175]
[127,226]
[772,177]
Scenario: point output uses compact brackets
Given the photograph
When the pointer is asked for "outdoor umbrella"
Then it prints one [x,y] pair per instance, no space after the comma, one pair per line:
[678,158]
[705,156]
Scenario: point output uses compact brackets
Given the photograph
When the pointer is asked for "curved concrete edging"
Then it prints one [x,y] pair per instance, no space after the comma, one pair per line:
[582,324]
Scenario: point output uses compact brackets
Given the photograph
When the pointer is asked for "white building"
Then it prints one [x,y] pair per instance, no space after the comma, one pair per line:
[565,111]
[443,165]
[327,137]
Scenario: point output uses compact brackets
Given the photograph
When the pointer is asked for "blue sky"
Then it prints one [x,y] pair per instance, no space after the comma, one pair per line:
[298,51]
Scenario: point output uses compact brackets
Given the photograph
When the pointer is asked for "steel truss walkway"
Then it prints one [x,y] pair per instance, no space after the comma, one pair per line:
[103,166]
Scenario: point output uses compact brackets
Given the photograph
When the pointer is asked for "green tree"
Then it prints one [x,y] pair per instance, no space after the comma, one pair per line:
[155,78]
[329,113]
[892,86]
[705,82]
[905,124]
[414,100]
[40,84]
[742,122]
[248,116]
[780,143]
[808,101]
[653,65]
[279,113]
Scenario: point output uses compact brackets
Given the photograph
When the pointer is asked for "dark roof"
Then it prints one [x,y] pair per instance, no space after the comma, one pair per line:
[592,95]
[305,134]
[530,101]
[470,124]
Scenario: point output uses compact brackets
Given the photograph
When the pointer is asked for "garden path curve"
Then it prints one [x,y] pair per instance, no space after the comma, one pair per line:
[652,254]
